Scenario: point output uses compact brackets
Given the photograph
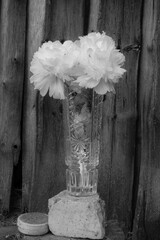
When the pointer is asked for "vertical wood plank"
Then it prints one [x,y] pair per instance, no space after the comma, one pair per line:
[43,153]
[94,15]
[33,104]
[124,135]
[12,49]
[147,221]
[120,20]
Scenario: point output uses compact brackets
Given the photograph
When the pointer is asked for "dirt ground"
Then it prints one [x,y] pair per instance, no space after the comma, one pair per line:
[8,227]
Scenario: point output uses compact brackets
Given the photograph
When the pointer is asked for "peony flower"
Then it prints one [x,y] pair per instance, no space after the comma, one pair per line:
[52,65]
[101,63]
[91,62]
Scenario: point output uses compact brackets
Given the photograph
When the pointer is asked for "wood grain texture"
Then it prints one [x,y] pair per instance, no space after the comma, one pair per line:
[120,20]
[12,49]
[32,104]
[94,15]
[43,150]
[147,221]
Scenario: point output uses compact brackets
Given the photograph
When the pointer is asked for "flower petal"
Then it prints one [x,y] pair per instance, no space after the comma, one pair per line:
[86,81]
[41,83]
[56,88]
[104,87]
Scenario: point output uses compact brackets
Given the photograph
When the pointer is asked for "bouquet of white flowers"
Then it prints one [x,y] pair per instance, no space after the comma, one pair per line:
[90,62]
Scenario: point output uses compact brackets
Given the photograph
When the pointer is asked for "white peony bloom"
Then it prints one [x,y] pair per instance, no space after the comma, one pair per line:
[101,63]
[52,65]
[93,61]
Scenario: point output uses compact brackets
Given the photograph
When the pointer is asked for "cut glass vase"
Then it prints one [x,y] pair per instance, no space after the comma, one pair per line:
[82,111]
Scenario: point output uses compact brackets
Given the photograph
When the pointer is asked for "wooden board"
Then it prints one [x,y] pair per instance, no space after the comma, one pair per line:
[120,20]
[147,221]
[12,50]
[33,104]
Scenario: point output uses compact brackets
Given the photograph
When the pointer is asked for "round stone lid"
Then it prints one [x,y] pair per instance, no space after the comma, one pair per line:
[33,223]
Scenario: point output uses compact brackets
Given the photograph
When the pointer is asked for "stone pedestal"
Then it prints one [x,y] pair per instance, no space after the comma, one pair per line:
[80,217]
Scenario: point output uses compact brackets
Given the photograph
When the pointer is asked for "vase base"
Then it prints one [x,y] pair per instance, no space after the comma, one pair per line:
[81,192]
[82,185]
[81,217]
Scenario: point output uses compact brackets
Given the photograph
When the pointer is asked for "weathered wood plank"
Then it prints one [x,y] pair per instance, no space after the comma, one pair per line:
[120,20]
[32,106]
[147,221]
[43,151]
[94,15]
[12,49]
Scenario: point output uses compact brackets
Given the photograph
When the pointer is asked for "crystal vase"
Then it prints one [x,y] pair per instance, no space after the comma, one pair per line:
[82,110]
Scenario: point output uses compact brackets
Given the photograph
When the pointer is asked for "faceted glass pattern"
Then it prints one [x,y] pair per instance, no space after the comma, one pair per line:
[82,111]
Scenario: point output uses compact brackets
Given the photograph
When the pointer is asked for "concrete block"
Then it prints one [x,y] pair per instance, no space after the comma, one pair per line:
[79,217]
